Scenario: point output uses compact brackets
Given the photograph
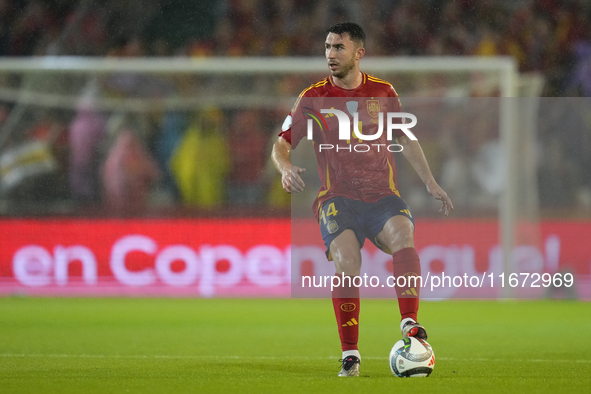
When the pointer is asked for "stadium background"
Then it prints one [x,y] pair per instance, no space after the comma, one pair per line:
[107,168]
[186,203]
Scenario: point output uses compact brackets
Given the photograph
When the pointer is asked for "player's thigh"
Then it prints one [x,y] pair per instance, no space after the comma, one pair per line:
[397,233]
[336,216]
[346,253]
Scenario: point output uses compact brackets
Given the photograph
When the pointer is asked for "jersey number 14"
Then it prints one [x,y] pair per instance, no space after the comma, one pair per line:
[330,211]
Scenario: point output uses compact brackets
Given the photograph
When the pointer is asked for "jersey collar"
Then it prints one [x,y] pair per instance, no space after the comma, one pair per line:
[363,80]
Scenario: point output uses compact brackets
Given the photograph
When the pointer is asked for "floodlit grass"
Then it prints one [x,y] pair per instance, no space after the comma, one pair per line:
[277,346]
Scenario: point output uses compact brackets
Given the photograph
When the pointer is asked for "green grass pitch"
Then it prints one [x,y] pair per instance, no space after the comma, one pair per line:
[284,346]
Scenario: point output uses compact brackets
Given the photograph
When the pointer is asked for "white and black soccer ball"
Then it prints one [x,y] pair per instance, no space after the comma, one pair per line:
[412,357]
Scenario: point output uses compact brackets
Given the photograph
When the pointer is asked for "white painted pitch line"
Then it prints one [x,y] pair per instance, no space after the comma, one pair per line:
[200,357]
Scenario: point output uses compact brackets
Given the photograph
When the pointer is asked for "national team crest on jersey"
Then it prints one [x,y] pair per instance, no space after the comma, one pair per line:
[332,227]
[373,107]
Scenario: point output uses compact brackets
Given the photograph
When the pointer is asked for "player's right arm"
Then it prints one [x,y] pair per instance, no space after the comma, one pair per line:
[291,180]
[290,174]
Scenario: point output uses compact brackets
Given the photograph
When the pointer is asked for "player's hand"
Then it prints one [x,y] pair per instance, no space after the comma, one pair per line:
[291,180]
[436,191]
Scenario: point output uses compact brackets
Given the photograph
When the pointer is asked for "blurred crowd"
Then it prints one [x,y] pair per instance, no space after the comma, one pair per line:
[127,162]
[548,36]
[121,163]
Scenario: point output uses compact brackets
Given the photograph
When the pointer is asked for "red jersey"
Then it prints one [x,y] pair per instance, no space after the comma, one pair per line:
[356,168]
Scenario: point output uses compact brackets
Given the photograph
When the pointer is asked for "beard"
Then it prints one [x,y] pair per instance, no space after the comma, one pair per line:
[345,69]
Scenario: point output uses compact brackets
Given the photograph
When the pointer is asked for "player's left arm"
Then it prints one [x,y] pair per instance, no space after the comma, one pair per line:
[414,154]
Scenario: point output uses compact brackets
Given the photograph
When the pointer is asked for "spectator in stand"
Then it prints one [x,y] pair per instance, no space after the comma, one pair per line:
[31,28]
[86,132]
[580,82]
[4,112]
[128,174]
[247,149]
[169,138]
[4,28]
[200,162]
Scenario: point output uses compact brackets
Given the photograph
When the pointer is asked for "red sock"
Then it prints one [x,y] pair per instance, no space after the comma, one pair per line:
[406,263]
[345,301]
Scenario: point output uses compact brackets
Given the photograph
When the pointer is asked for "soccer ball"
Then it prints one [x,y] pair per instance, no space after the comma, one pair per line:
[411,357]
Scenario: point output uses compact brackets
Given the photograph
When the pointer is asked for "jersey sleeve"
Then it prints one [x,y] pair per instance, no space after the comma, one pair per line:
[286,128]
[292,129]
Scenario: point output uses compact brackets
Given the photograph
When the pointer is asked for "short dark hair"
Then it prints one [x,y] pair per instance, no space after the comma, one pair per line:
[354,31]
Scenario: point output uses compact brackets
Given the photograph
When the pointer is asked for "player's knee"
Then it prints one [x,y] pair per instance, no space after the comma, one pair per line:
[403,238]
[405,230]
[348,265]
